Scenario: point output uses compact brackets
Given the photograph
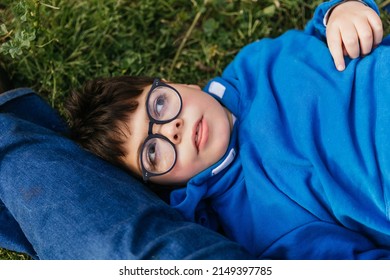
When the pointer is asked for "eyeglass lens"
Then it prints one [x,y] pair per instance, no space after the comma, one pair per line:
[158,155]
[164,103]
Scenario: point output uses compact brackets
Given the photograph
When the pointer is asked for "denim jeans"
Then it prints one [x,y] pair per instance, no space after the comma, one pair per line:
[58,201]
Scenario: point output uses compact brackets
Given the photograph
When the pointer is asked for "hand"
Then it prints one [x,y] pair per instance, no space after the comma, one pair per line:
[353,29]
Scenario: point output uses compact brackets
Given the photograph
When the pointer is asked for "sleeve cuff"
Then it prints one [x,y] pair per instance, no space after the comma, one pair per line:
[326,17]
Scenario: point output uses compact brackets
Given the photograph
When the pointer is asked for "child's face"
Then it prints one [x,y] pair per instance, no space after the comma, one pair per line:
[200,134]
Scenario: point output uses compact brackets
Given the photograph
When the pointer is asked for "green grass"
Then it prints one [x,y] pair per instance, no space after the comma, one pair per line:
[10,255]
[68,41]
[55,45]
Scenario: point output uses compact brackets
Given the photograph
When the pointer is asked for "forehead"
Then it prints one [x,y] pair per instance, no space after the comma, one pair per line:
[136,132]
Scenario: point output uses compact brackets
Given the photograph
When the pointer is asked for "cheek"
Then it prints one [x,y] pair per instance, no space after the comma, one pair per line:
[198,99]
[181,173]
[184,170]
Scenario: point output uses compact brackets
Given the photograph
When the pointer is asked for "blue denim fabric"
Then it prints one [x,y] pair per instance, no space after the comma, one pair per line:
[58,201]
[31,108]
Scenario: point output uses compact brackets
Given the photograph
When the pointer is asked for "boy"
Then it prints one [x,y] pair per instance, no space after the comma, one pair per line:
[293,164]
[58,201]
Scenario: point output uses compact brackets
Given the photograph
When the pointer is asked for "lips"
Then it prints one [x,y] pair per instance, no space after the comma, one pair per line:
[200,134]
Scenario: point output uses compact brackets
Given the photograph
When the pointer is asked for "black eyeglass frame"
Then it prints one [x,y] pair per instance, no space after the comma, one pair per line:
[146,175]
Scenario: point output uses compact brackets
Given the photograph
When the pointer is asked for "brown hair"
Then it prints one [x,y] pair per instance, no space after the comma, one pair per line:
[98,111]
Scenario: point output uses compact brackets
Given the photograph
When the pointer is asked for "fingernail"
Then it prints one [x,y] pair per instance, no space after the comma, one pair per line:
[340,67]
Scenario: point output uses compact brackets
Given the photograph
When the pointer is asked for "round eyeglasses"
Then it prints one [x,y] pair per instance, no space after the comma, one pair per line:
[158,153]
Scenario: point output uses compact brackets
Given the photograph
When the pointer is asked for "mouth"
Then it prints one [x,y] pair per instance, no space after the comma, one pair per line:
[200,134]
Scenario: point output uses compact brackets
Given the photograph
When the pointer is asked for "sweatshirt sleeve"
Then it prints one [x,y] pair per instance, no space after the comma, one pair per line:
[316,26]
[322,240]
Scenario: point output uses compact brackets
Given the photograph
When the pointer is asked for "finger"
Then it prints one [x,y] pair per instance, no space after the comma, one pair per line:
[335,46]
[365,36]
[344,51]
[350,40]
[377,29]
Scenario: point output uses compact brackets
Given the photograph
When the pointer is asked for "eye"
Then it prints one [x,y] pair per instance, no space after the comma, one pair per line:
[160,103]
[151,154]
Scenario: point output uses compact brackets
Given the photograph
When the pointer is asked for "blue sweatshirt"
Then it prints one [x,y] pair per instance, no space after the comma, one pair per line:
[307,171]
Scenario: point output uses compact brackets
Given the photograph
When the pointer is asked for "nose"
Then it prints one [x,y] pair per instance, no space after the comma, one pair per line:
[172,130]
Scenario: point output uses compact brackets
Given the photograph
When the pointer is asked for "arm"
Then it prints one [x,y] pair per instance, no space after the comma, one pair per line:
[325,241]
[352,28]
